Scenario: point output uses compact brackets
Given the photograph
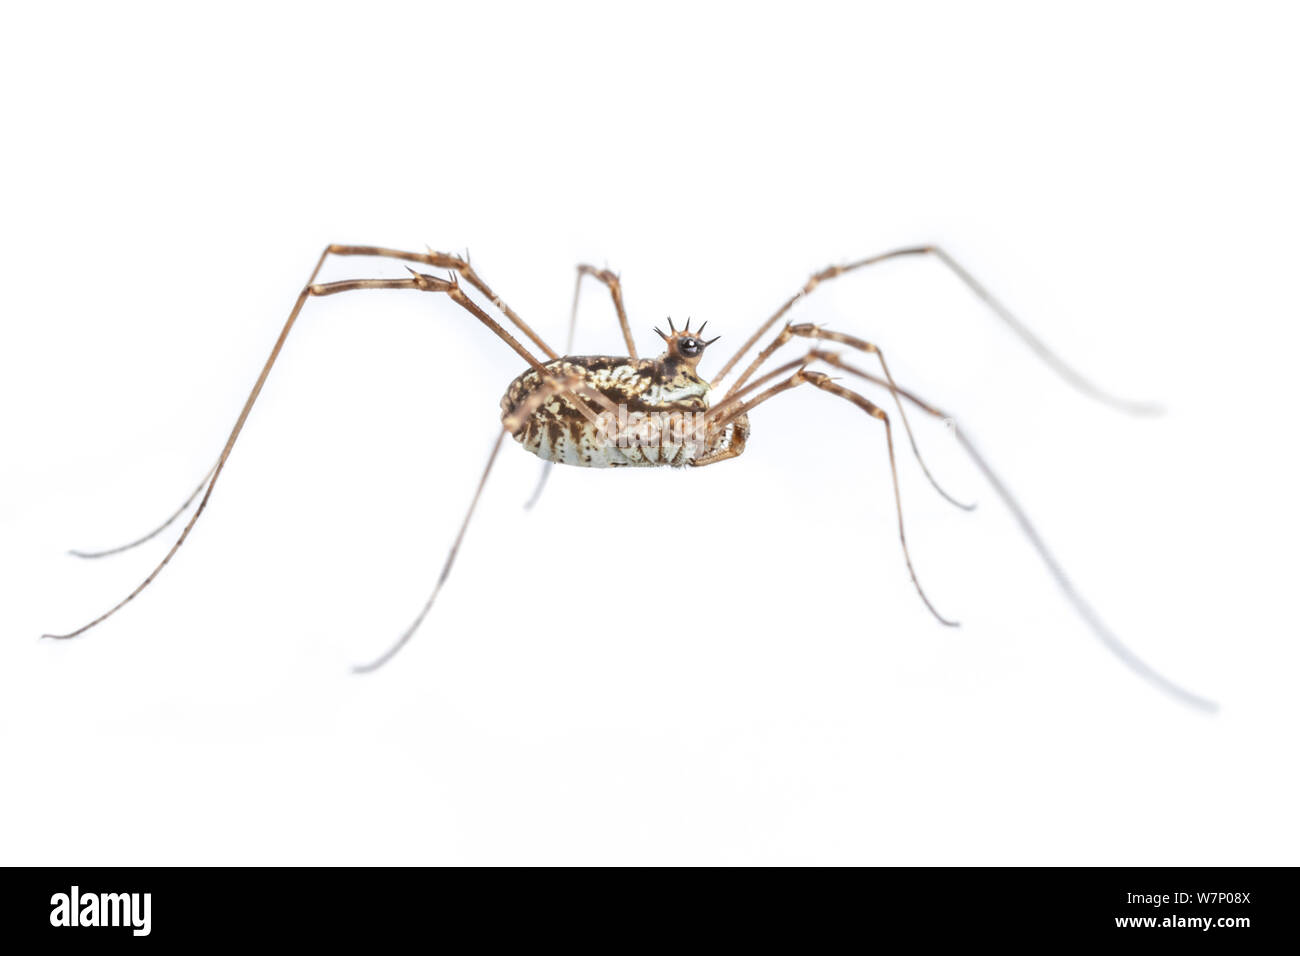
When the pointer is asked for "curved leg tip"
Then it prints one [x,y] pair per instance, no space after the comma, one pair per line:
[380,661]
[964,506]
[1140,409]
[88,555]
[1195,701]
[946,622]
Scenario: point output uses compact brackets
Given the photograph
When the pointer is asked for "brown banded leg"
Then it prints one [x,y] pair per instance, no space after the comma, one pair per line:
[570,387]
[815,332]
[441,260]
[732,409]
[445,260]
[611,280]
[1091,618]
[1001,311]
[418,282]
[616,293]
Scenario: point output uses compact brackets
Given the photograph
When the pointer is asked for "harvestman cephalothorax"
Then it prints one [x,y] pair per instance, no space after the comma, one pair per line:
[626,411]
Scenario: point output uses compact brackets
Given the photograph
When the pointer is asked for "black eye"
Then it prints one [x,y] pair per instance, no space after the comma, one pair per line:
[690,347]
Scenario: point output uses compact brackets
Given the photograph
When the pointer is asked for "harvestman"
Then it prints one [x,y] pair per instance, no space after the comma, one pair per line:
[607,411]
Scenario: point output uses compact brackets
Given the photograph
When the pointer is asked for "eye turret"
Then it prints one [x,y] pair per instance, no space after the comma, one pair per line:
[686,344]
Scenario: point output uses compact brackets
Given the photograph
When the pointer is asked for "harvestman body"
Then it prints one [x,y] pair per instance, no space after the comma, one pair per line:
[627,411]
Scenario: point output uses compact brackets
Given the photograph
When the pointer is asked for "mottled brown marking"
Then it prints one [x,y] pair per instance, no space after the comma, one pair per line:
[556,431]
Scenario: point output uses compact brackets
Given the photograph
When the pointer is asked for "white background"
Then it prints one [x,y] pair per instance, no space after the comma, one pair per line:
[725,665]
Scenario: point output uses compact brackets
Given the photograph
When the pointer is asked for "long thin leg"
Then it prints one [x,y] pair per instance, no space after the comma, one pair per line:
[156,531]
[1085,610]
[1001,311]
[418,281]
[552,386]
[616,293]
[441,260]
[385,657]
[826,384]
[445,260]
[510,424]
[815,332]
